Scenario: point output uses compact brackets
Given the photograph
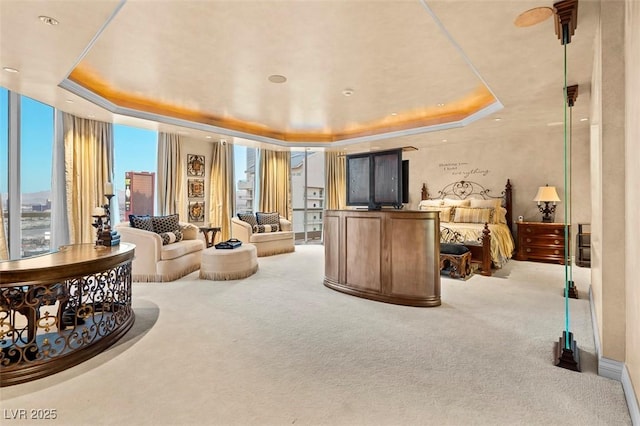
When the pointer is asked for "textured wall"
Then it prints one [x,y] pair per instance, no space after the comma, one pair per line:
[529,162]
[632,155]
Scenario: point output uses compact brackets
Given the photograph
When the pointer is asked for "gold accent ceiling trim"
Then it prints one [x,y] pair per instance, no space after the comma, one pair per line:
[454,111]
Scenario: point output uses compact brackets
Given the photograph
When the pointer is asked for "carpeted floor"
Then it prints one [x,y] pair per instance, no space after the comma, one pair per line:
[279,348]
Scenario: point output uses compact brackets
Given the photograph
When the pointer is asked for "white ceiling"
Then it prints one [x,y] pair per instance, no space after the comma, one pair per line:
[215,57]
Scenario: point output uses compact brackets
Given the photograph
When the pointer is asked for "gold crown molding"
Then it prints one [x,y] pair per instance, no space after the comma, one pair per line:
[422,118]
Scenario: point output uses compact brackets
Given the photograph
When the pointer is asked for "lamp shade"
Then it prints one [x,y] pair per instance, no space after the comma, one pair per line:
[547,193]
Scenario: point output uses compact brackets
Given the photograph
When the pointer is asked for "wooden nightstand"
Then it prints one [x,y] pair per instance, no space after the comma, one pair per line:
[541,241]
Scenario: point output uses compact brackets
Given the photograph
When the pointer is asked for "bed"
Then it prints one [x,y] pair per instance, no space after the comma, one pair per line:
[470,215]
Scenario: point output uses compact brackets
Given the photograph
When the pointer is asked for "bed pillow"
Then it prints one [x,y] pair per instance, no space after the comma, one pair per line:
[500,215]
[456,203]
[485,204]
[430,203]
[445,212]
[469,215]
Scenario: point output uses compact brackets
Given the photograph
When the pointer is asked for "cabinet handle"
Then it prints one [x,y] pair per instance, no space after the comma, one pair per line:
[556,252]
[528,240]
[556,231]
[528,229]
[528,250]
[556,241]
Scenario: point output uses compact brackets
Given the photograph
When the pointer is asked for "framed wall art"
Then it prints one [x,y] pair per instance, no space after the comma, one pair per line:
[195,165]
[195,188]
[196,211]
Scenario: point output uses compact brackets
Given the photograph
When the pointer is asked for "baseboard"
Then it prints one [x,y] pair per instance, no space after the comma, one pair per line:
[630,395]
[606,367]
[614,369]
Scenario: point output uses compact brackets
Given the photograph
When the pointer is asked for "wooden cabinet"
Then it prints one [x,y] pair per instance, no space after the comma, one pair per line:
[390,256]
[540,241]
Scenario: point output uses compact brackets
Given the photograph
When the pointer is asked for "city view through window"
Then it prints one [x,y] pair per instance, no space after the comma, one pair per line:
[135,150]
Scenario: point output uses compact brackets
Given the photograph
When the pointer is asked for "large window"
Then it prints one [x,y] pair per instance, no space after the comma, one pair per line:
[307,192]
[29,150]
[245,178]
[36,148]
[4,157]
[136,150]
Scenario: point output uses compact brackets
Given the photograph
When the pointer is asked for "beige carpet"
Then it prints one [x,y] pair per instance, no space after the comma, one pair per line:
[279,348]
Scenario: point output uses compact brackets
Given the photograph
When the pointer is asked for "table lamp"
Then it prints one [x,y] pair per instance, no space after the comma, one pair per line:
[549,196]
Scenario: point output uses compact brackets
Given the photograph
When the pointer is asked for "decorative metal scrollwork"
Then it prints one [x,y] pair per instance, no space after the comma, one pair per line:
[466,189]
[42,323]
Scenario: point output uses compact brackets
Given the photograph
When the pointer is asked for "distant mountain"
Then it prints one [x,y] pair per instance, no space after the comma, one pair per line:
[42,197]
[29,198]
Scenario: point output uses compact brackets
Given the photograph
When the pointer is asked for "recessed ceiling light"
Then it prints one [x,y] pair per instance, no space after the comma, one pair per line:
[584,119]
[533,16]
[276,78]
[555,123]
[9,69]
[497,119]
[440,105]
[444,140]
[394,114]
[69,101]
[208,137]
[347,92]
[48,20]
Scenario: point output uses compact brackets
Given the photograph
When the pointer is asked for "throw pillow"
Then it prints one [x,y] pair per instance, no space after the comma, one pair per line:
[469,215]
[165,223]
[270,219]
[266,228]
[249,218]
[450,248]
[170,237]
[141,222]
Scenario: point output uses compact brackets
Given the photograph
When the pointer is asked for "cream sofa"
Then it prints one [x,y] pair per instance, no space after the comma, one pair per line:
[267,243]
[154,262]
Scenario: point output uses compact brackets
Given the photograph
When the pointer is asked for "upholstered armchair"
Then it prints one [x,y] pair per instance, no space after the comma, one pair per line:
[267,243]
[154,261]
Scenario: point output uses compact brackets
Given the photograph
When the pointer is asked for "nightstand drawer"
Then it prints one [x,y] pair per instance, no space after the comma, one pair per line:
[552,230]
[544,240]
[544,252]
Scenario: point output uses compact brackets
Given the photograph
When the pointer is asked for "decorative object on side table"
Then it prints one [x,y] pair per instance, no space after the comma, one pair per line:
[98,223]
[107,236]
[549,196]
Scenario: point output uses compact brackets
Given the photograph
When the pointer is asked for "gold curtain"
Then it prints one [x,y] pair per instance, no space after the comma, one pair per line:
[88,148]
[275,182]
[4,248]
[221,188]
[170,181]
[335,181]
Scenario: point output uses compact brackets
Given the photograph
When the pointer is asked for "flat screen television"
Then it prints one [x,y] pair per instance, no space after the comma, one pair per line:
[375,179]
